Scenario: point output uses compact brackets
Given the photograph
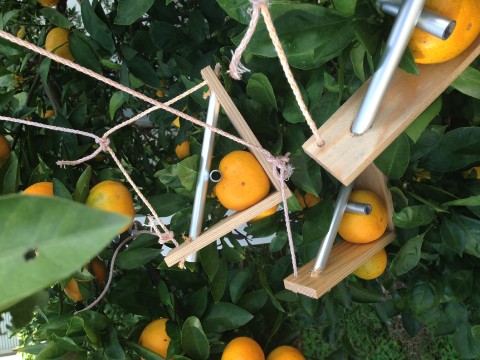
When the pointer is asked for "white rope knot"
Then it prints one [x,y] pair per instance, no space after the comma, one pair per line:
[282,169]
[104,143]
[168,236]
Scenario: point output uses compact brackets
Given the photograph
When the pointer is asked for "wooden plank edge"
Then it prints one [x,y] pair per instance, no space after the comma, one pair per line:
[221,228]
[297,284]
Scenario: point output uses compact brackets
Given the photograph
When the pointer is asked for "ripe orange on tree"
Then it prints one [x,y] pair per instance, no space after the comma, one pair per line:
[154,337]
[265,214]
[48,114]
[285,352]
[97,268]
[112,196]
[244,182]
[5,149]
[243,348]
[360,228]
[428,49]
[57,42]
[183,150]
[44,188]
[373,267]
[306,201]
[48,3]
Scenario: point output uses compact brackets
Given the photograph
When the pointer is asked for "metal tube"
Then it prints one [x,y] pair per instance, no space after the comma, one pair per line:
[327,243]
[396,44]
[429,21]
[358,208]
[203,172]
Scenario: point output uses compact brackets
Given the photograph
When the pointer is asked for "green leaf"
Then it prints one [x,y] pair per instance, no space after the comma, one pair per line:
[317,222]
[414,216]
[60,190]
[237,9]
[22,312]
[143,70]
[113,349]
[278,241]
[470,201]
[362,295]
[168,204]
[197,302]
[9,175]
[83,51]
[144,352]
[307,175]
[468,82]
[467,346]
[239,284]
[53,16]
[310,34]
[408,256]
[458,286]
[457,149]
[260,89]
[129,11]
[219,282]
[82,187]
[223,316]
[393,161]
[453,233]
[49,243]
[424,294]
[266,286]
[476,332]
[416,128]
[116,101]
[194,340]
[132,259]
[97,29]
[345,7]
[210,260]
[51,351]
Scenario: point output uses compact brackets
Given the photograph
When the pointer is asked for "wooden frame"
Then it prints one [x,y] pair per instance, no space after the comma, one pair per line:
[345,156]
[346,257]
[230,223]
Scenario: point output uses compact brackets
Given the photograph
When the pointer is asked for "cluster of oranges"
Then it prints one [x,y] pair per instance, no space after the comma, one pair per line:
[155,338]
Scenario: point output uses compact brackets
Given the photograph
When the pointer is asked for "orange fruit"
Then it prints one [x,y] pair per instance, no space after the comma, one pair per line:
[97,268]
[428,49]
[48,3]
[183,150]
[159,94]
[244,182]
[112,196]
[57,42]
[360,228]
[155,338]
[285,352]
[373,267]
[48,114]
[467,174]
[5,149]
[176,122]
[44,188]
[307,200]
[264,214]
[243,348]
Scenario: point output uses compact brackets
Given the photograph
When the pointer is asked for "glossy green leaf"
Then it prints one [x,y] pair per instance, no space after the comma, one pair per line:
[210,260]
[97,29]
[129,11]
[60,190]
[197,302]
[84,52]
[168,204]
[9,175]
[454,233]
[49,243]
[408,256]
[467,346]
[194,340]
[237,9]
[23,311]
[414,216]
[218,284]
[260,89]
[307,174]
[476,332]
[54,17]
[268,289]
[363,295]
[131,259]
[418,126]
[239,284]
[424,294]
[116,101]
[144,352]
[457,149]
[458,286]
[143,70]
[223,316]
[470,201]
[468,82]
[317,222]
[82,187]
[345,7]
[393,161]
[310,34]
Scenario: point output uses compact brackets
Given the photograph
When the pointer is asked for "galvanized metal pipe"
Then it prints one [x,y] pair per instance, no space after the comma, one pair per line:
[429,21]
[203,172]
[396,44]
[327,243]
[358,208]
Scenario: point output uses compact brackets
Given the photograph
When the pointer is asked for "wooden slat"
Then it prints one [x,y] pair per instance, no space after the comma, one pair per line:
[221,228]
[345,156]
[238,122]
[344,259]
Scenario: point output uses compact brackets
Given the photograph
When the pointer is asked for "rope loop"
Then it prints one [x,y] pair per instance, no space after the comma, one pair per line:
[282,169]
[104,143]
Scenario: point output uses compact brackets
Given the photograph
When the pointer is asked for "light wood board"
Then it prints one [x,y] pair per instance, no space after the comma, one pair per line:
[345,156]
[346,257]
[231,222]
